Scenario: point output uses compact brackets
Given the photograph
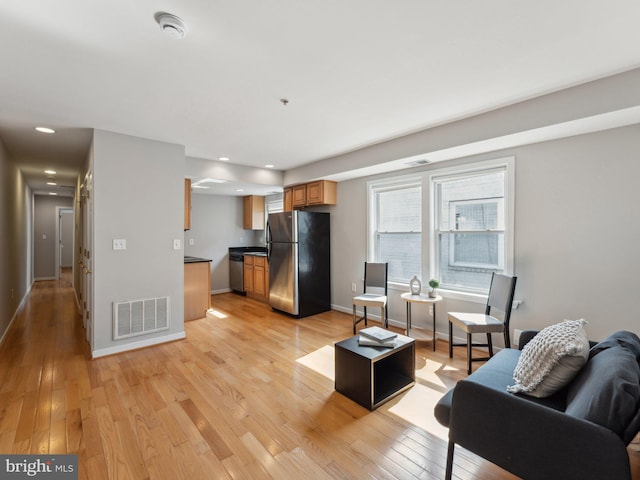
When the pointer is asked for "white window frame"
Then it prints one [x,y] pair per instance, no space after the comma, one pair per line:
[452,245]
[506,163]
[396,183]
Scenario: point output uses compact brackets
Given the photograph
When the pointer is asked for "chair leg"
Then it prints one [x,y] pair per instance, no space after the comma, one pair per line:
[365,316]
[469,353]
[383,319]
[449,470]
[507,338]
[354,320]
[489,345]
[450,340]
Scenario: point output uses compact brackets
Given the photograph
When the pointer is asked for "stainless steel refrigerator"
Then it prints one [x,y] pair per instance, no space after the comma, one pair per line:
[298,250]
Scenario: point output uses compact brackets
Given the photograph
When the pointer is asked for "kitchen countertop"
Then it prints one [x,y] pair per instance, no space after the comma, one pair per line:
[195,260]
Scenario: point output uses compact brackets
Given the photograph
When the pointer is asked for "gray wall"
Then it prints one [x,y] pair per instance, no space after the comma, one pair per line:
[216,225]
[15,243]
[139,197]
[45,218]
[577,227]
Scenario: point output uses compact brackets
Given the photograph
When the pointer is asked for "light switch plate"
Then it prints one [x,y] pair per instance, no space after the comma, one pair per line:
[191,242]
[176,244]
[119,244]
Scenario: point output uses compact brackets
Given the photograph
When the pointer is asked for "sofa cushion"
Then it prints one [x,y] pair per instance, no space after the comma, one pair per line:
[497,373]
[607,390]
[551,359]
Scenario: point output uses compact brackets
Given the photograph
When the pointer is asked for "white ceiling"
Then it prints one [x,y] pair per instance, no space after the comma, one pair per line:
[355,72]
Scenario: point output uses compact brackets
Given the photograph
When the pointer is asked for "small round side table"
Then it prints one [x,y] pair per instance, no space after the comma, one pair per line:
[421,298]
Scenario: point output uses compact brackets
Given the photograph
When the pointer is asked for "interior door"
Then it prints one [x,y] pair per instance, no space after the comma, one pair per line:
[86,257]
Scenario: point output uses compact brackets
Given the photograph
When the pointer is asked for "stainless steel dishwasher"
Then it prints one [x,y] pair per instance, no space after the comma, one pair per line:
[236,272]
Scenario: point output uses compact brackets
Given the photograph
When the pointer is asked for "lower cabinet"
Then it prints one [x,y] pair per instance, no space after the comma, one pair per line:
[256,277]
[197,290]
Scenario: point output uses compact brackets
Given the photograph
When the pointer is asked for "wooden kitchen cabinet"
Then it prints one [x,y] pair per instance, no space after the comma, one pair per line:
[299,195]
[187,204]
[253,212]
[259,285]
[197,289]
[248,274]
[321,192]
[287,201]
[256,277]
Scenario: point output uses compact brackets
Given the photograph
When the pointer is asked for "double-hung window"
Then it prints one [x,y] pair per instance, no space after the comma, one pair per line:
[472,227]
[396,227]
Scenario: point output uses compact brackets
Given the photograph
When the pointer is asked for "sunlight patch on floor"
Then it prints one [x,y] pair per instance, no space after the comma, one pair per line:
[216,313]
[321,361]
[416,407]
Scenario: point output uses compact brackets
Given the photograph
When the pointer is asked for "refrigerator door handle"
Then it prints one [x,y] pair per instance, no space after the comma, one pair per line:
[268,240]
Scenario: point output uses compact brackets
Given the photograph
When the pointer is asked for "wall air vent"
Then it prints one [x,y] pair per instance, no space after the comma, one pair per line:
[140,317]
[419,163]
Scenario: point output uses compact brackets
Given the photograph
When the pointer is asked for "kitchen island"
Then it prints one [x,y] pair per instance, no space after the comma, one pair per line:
[197,287]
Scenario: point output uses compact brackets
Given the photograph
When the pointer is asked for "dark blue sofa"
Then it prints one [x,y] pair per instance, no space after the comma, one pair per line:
[579,433]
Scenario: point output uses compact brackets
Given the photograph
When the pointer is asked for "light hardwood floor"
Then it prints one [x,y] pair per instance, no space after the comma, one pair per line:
[248,395]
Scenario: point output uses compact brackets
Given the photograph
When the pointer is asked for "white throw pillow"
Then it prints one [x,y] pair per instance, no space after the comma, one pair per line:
[551,359]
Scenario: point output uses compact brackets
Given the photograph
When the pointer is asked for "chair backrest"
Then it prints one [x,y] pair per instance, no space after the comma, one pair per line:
[501,294]
[375,275]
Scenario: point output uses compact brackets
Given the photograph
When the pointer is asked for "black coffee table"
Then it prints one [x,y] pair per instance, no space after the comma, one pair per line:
[371,376]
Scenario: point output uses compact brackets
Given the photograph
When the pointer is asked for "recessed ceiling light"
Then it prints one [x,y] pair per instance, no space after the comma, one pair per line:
[239,190]
[45,130]
[223,159]
[50,172]
[269,166]
[51,183]
[52,193]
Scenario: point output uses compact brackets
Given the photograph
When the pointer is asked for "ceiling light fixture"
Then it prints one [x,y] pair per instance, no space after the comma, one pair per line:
[269,166]
[171,26]
[50,172]
[51,183]
[45,130]
[223,159]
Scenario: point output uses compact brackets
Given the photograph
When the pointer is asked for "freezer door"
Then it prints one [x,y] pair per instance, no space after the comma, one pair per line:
[283,277]
[283,227]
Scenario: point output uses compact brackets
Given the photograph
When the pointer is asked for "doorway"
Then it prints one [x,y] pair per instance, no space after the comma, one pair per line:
[64,236]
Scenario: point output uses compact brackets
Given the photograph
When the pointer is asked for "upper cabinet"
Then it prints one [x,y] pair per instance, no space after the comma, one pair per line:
[287,201]
[253,217]
[299,195]
[320,192]
[187,204]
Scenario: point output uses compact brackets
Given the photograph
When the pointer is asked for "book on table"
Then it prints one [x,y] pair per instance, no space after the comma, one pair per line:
[378,334]
[370,342]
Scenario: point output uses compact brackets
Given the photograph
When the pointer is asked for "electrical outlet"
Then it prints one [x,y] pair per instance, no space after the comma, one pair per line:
[119,244]
[353,287]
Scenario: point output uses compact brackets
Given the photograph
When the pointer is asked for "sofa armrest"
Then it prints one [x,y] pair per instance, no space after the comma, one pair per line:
[525,337]
[531,440]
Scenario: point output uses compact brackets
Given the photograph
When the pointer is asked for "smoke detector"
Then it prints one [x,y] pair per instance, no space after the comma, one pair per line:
[171,25]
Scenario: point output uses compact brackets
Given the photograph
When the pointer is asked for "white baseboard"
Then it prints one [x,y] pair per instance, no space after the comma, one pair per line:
[103,352]
[15,314]
[222,290]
